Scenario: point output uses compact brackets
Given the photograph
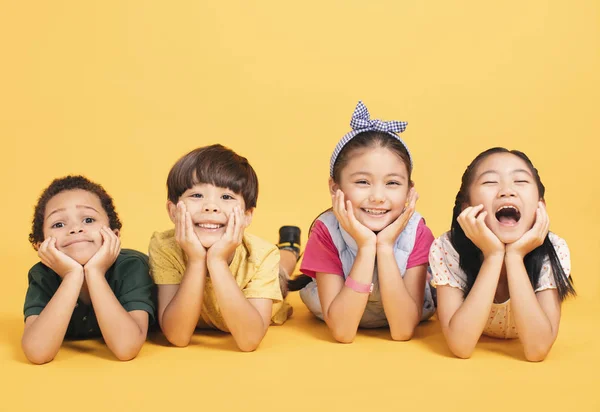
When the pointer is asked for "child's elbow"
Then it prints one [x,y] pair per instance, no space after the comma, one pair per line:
[343,336]
[249,345]
[402,334]
[38,359]
[462,351]
[536,354]
[35,355]
[126,354]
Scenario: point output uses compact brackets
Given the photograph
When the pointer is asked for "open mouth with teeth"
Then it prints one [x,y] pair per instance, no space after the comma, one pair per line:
[375,212]
[210,226]
[508,215]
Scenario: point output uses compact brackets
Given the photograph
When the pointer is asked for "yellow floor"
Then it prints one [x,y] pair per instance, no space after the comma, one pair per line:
[300,367]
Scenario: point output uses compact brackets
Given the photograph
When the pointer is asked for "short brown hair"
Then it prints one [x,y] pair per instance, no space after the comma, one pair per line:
[216,165]
[64,184]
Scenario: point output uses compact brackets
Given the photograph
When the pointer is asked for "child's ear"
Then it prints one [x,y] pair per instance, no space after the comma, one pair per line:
[171,210]
[333,187]
[543,201]
[249,213]
[37,245]
[117,232]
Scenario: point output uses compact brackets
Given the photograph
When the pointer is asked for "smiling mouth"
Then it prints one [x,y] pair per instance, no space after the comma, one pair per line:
[210,226]
[508,215]
[375,212]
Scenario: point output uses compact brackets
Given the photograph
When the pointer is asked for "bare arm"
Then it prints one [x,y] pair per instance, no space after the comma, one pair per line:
[246,319]
[45,333]
[124,332]
[537,317]
[463,320]
[402,297]
[342,307]
[179,306]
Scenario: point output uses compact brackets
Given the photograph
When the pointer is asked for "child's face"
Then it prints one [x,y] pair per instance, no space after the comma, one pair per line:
[210,207]
[508,191]
[376,183]
[74,218]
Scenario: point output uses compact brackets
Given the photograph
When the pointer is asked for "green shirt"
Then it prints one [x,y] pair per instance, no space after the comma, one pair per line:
[128,278]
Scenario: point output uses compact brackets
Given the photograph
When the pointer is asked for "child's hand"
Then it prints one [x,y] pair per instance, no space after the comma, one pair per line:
[473,224]
[232,238]
[534,237]
[362,235]
[106,255]
[57,260]
[388,236]
[185,235]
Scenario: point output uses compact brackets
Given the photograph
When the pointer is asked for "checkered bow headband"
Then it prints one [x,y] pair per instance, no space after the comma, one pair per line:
[361,122]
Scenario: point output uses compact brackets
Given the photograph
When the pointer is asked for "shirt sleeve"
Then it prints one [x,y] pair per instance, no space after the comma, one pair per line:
[265,282]
[320,254]
[165,267]
[42,287]
[444,265]
[136,289]
[547,279]
[423,240]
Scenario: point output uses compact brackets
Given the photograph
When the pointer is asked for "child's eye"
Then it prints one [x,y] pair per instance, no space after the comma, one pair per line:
[89,220]
[521,181]
[394,183]
[197,195]
[57,225]
[227,197]
[489,182]
[362,182]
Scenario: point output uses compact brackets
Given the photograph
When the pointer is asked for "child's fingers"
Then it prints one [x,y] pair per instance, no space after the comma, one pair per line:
[350,213]
[230,224]
[474,212]
[238,228]
[188,227]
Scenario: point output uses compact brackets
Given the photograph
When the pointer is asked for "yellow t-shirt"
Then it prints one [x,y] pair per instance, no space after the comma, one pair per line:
[255,267]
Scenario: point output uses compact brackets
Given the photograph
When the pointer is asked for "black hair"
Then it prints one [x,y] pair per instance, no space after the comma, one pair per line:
[471,257]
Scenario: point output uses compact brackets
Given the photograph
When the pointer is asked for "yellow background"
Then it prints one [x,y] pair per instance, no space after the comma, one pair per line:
[118,91]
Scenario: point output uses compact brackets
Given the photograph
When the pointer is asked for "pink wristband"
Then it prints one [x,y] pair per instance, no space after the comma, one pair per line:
[358,287]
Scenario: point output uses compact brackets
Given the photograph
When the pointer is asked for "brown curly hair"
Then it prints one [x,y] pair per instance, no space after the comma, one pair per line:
[64,184]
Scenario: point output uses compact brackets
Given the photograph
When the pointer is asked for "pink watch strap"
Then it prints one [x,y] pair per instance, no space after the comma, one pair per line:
[359,287]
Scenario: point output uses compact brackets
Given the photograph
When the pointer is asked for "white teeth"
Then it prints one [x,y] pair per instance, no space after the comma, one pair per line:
[506,207]
[209,225]
[375,211]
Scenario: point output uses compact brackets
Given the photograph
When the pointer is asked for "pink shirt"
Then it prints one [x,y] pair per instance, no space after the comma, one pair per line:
[321,255]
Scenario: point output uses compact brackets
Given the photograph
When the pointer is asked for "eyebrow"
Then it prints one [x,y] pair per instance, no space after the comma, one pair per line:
[496,172]
[78,207]
[369,174]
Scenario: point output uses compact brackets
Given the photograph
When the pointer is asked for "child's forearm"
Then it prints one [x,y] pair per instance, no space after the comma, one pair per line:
[469,320]
[401,310]
[122,334]
[44,335]
[347,308]
[181,316]
[534,327]
[243,320]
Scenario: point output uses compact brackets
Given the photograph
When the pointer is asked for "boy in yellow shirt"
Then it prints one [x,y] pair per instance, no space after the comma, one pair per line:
[209,272]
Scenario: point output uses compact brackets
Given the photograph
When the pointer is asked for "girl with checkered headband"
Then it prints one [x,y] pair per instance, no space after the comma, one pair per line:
[499,271]
[365,263]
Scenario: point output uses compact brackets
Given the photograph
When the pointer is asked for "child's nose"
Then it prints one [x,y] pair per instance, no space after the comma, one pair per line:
[507,191]
[211,207]
[376,196]
[76,229]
